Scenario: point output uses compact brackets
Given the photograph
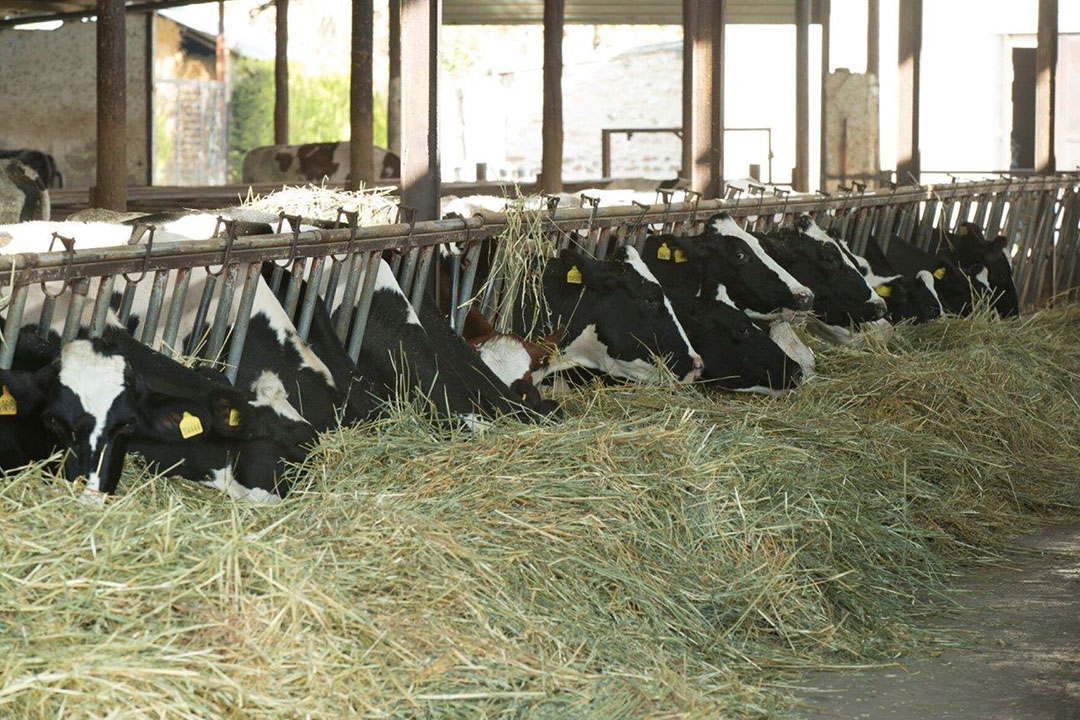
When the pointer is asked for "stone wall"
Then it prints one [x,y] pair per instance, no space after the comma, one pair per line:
[49,90]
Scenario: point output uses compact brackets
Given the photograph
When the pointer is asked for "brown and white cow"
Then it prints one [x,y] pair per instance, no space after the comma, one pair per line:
[311,162]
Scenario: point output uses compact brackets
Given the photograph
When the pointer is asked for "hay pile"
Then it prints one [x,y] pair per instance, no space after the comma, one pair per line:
[660,552]
[374,205]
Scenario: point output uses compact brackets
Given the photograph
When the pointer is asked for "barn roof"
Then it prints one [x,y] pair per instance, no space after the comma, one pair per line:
[472,12]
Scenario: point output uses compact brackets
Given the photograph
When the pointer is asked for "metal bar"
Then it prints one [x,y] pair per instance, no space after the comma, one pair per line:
[101,305]
[281,72]
[552,129]
[417,297]
[110,190]
[363,307]
[76,304]
[357,263]
[243,320]
[153,307]
[224,311]
[292,293]
[48,309]
[307,310]
[455,293]
[420,20]
[825,11]
[198,328]
[12,326]
[472,260]
[176,312]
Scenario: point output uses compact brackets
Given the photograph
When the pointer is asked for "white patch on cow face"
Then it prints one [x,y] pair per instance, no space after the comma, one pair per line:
[783,334]
[983,278]
[723,297]
[586,350]
[761,390]
[224,481]
[506,357]
[816,233]
[635,262]
[270,392]
[727,226]
[927,279]
[97,380]
[386,281]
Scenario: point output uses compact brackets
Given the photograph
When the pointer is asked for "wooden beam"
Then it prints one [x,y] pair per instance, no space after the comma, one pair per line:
[801,180]
[1046,87]
[361,97]
[873,37]
[551,165]
[703,25]
[420,21]
[393,93]
[111,189]
[281,73]
[908,160]
[826,32]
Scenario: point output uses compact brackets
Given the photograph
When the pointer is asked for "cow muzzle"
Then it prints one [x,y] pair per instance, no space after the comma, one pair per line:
[695,373]
[804,299]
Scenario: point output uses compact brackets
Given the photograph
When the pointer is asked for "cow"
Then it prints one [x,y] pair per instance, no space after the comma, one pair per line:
[97,399]
[987,263]
[907,297]
[312,162]
[611,316]
[43,164]
[843,297]
[951,284]
[23,194]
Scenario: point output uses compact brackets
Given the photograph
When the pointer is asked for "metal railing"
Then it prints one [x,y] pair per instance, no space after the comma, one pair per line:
[1039,216]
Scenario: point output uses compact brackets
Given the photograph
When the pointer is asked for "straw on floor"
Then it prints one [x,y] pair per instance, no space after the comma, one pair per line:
[661,552]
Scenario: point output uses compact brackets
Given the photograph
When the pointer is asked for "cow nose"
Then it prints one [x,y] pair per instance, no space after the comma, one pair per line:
[696,372]
[804,299]
[880,309]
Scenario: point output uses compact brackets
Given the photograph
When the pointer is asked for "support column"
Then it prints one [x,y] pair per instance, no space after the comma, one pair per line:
[361,109]
[111,189]
[281,74]
[393,92]
[801,180]
[908,160]
[420,21]
[826,31]
[1046,87]
[873,37]
[551,166]
[703,94]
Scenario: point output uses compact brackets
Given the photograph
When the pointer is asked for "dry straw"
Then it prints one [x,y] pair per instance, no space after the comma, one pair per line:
[661,552]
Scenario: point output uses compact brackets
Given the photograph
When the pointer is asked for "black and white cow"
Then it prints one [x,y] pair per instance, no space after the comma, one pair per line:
[23,194]
[907,298]
[987,263]
[843,298]
[610,316]
[727,255]
[951,284]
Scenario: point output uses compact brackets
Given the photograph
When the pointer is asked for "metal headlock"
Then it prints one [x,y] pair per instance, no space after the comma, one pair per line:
[1040,217]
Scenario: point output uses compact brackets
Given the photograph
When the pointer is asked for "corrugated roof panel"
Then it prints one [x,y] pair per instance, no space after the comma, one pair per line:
[610,12]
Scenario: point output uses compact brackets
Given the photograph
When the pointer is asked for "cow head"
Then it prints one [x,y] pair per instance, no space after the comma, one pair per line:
[617,318]
[842,295]
[909,298]
[738,354]
[93,404]
[988,264]
[754,280]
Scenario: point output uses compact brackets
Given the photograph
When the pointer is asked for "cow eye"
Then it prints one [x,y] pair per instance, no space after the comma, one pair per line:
[744,331]
[740,256]
[125,427]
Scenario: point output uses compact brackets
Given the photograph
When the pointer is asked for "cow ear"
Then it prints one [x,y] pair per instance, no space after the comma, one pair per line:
[23,393]
[995,247]
[231,415]
[170,419]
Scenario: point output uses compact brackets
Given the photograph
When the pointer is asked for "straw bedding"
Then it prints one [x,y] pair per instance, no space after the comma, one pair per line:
[662,551]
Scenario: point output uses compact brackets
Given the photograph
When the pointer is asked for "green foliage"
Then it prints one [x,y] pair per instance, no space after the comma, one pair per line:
[318,110]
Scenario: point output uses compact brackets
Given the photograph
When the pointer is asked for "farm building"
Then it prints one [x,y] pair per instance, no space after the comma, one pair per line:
[539,358]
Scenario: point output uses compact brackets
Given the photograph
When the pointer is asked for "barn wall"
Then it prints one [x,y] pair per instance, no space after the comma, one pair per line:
[48,86]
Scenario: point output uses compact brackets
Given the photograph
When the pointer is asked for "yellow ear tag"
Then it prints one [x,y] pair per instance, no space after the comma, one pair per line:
[680,255]
[234,417]
[663,252]
[8,406]
[883,290]
[939,273]
[190,426]
[963,230]
[573,275]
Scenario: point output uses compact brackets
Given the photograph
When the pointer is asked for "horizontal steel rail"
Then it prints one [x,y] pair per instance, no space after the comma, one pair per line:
[1040,216]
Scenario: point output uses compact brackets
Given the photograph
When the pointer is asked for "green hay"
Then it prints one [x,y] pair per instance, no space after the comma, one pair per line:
[661,552]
